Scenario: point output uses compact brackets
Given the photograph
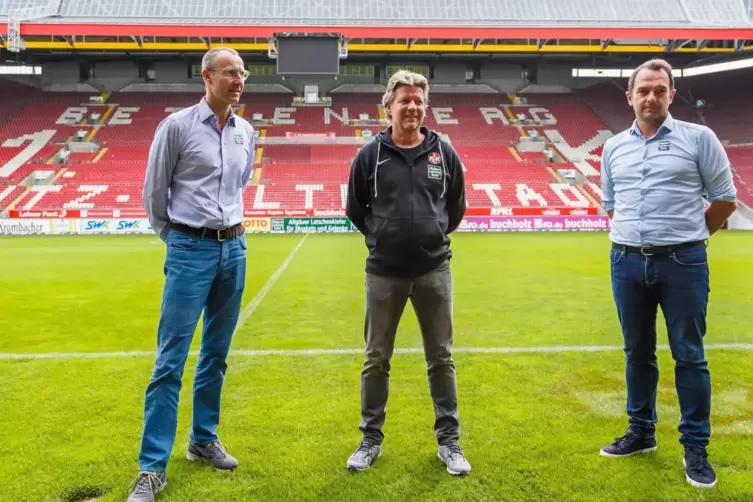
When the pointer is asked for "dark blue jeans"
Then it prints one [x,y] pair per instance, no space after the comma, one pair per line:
[200,275]
[679,284]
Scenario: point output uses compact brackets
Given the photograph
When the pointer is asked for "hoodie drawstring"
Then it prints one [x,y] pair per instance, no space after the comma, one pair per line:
[376,167]
[444,170]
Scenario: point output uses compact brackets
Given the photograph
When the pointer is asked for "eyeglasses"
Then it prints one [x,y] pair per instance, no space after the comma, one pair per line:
[233,73]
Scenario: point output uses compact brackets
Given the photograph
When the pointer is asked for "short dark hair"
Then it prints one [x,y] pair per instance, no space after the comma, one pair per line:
[655,64]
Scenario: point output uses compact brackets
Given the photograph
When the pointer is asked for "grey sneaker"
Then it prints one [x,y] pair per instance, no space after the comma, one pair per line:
[214,453]
[364,455]
[452,456]
[147,485]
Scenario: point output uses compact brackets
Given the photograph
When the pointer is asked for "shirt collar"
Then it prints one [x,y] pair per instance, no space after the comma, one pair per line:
[205,112]
[666,126]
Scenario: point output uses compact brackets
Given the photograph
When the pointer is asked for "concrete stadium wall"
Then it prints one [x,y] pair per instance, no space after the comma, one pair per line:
[451,73]
[113,75]
[171,71]
[61,71]
[505,77]
[558,75]
[27,80]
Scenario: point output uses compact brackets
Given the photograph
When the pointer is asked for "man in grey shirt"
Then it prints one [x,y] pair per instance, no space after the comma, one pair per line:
[199,163]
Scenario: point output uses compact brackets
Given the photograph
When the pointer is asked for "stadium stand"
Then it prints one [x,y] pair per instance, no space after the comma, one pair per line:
[529,133]
[515,149]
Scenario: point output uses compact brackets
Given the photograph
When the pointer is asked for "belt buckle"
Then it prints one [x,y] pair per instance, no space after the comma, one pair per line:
[644,252]
[219,236]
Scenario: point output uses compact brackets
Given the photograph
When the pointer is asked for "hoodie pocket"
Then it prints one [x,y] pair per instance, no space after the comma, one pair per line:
[428,233]
[392,235]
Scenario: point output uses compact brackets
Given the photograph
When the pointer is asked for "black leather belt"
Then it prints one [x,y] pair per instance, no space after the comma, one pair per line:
[656,250]
[221,234]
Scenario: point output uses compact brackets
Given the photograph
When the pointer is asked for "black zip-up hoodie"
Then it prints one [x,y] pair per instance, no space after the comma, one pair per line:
[406,210]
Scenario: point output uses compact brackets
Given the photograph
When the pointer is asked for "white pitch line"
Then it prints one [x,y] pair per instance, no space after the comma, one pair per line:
[315,352]
[251,307]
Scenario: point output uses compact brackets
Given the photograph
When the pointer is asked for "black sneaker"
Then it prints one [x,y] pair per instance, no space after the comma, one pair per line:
[698,470]
[629,444]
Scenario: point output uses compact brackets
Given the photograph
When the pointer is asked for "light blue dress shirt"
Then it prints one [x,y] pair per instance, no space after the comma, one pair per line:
[656,186]
[196,171]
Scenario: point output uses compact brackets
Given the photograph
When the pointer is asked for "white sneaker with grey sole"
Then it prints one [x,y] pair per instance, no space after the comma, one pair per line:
[365,454]
[452,456]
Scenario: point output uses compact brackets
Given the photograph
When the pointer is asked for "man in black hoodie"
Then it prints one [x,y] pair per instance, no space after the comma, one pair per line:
[405,195]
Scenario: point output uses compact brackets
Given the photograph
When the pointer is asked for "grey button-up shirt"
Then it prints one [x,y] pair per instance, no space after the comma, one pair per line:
[196,171]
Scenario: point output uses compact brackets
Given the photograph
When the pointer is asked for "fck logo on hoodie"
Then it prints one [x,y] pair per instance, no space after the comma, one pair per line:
[435,172]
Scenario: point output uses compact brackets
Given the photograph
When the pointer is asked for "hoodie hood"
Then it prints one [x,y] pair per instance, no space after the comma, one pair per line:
[432,141]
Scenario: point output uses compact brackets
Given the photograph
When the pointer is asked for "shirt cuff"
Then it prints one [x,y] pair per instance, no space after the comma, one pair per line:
[724,198]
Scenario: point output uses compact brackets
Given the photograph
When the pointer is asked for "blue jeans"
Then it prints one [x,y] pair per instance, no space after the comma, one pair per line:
[678,283]
[200,275]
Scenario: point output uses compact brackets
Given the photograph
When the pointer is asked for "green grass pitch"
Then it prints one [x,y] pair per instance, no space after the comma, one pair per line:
[532,422]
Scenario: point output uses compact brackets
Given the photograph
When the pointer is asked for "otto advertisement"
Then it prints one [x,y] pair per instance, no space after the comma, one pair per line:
[257,225]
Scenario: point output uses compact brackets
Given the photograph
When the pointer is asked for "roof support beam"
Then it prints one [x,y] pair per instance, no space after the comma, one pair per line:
[388,32]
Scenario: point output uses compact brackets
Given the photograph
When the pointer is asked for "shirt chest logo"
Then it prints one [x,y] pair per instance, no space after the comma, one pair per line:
[238,139]
[663,146]
[434,158]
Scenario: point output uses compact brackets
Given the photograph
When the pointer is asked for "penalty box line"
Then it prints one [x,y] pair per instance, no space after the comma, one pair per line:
[315,352]
[243,317]
[256,300]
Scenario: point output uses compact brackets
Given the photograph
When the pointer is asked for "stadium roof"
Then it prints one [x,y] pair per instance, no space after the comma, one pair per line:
[543,24]
[428,13]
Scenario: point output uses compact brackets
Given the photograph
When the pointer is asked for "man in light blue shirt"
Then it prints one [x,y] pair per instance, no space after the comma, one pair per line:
[654,177]
[199,164]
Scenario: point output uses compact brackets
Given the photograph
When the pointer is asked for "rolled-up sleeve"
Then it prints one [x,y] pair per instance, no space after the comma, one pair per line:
[607,186]
[163,155]
[715,169]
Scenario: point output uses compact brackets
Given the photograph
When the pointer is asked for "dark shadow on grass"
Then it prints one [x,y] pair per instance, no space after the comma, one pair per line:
[83,493]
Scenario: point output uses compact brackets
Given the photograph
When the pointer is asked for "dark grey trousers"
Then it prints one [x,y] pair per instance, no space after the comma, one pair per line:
[431,297]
